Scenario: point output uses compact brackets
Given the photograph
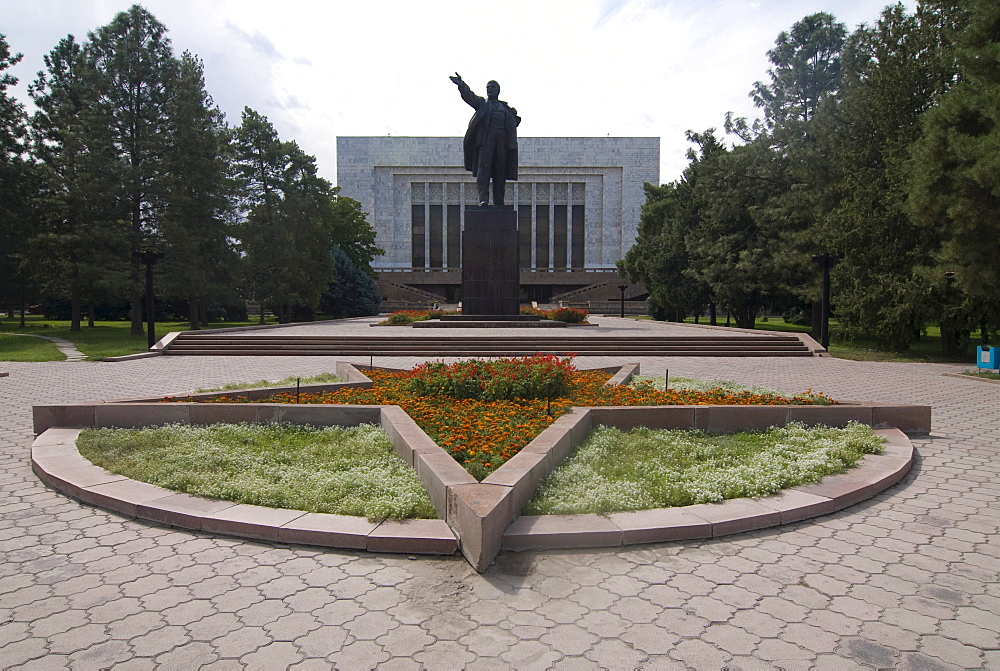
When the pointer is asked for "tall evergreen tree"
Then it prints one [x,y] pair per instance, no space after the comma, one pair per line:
[955,185]
[196,224]
[353,292]
[291,216]
[134,74]
[893,72]
[806,69]
[352,233]
[80,237]
[660,258]
[15,187]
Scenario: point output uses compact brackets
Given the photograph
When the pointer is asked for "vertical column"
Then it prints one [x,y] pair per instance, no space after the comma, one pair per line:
[552,224]
[427,224]
[444,224]
[534,224]
[569,224]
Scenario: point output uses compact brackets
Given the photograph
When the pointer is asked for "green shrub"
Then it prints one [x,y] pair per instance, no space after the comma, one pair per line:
[538,376]
[569,315]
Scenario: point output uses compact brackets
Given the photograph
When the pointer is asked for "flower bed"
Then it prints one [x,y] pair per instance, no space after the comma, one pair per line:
[402,317]
[479,413]
[642,468]
[568,315]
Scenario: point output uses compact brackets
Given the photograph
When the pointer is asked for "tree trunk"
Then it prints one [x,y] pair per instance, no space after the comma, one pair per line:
[711,315]
[74,301]
[193,310]
[746,318]
[135,270]
[954,342]
[22,301]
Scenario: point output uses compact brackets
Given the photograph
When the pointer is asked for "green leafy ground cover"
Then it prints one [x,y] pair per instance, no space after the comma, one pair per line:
[284,382]
[642,468]
[340,470]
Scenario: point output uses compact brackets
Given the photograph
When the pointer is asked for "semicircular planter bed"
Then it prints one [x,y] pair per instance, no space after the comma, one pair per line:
[478,518]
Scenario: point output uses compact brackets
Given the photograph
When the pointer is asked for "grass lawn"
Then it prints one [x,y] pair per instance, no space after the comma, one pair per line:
[341,470]
[982,372]
[925,350]
[639,469]
[104,339]
[24,348]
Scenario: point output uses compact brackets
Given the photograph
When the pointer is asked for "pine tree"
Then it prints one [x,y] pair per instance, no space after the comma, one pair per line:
[134,72]
[197,219]
[79,238]
[16,188]
[353,293]
[955,183]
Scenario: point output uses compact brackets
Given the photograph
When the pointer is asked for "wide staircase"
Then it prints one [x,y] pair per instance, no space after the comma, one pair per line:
[235,344]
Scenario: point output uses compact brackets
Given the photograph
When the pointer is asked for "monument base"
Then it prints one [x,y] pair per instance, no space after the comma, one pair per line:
[490,271]
[500,318]
[488,322]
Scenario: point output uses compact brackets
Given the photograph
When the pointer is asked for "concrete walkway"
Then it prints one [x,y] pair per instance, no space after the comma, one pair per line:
[63,345]
[909,579]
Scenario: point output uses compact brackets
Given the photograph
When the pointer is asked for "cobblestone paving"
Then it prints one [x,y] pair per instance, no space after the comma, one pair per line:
[908,579]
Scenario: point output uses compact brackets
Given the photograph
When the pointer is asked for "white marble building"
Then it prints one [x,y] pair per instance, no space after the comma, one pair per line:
[578,202]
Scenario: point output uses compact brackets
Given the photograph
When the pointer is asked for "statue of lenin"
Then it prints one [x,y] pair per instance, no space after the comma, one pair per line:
[491,142]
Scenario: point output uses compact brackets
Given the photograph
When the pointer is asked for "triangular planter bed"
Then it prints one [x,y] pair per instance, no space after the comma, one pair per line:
[478,518]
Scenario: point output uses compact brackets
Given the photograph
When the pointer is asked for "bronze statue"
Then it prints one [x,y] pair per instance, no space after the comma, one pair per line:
[490,144]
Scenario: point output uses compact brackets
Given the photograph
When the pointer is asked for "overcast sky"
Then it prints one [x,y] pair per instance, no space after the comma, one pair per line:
[322,68]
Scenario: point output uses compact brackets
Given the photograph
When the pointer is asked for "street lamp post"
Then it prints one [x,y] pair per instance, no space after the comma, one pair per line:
[826,261]
[149,258]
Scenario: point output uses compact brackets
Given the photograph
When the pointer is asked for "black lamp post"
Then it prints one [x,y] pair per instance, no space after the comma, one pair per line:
[826,261]
[622,288]
[149,258]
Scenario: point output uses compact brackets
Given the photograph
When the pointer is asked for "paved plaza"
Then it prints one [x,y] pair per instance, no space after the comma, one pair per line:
[908,579]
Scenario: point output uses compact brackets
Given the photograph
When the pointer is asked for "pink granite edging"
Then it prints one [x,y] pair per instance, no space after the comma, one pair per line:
[874,474]
[57,462]
[478,518]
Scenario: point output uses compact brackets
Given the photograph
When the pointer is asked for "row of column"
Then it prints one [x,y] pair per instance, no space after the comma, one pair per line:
[539,204]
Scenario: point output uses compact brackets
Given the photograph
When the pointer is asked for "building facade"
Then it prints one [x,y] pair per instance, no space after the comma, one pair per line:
[578,202]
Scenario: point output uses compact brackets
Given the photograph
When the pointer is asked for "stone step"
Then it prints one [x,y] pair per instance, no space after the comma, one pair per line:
[422,346]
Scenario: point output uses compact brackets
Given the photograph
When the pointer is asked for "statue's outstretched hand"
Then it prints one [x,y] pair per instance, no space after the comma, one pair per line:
[457,78]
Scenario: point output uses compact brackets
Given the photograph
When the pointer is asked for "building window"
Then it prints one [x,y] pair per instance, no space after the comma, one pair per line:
[550,222]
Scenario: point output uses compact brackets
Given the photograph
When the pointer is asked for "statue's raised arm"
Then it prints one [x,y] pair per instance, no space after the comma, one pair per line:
[490,144]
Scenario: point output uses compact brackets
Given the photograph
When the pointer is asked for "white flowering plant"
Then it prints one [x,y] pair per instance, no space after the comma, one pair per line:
[643,468]
[341,470]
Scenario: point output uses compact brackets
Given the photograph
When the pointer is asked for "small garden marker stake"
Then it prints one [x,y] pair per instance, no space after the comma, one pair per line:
[297,381]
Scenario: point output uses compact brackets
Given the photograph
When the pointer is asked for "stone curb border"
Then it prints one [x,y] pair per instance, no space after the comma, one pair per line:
[479,518]
[874,474]
[971,377]
[160,347]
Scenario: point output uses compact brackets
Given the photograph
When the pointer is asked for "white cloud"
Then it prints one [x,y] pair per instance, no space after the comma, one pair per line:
[319,69]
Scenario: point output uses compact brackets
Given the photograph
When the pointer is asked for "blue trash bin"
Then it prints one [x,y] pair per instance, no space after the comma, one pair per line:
[989,357]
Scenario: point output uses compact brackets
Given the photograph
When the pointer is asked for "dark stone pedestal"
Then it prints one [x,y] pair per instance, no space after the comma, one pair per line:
[490,280]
